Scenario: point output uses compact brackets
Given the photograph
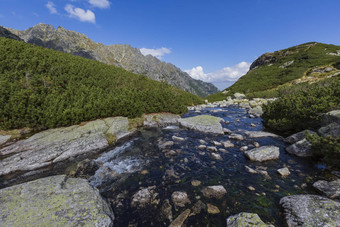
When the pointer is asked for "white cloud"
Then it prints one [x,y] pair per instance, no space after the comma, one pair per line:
[80,14]
[103,4]
[51,7]
[227,74]
[158,53]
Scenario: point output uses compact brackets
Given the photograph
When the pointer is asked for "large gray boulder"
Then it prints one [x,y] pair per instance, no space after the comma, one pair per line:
[329,189]
[302,148]
[203,123]
[298,136]
[246,219]
[262,154]
[310,210]
[61,144]
[160,119]
[330,117]
[54,201]
[331,130]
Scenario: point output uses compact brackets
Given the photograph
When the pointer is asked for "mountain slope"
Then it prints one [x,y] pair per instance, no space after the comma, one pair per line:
[123,56]
[44,88]
[7,34]
[274,74]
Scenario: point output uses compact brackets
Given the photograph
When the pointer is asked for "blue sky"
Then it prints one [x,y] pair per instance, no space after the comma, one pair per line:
[213,40]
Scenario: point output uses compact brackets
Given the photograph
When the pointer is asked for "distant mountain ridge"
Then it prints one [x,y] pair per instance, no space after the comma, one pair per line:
[124,56]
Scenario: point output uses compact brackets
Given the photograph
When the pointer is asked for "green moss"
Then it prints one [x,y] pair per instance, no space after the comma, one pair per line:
[111,139]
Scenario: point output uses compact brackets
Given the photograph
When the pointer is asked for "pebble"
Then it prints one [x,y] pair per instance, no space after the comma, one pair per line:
[212,148]
[283,171]
[244,148]
[202,147]
[144,172]
[217,143]
[195,183]
[251,188]
[177,138]
[216,156]
[213,209]
[203,142]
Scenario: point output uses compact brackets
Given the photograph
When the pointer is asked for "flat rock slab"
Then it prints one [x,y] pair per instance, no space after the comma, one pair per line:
[259,134]
[329,189]
[160,119]
[56,145]
[246,219]
[262,154]
[310,210]
[203,123]
[54,201]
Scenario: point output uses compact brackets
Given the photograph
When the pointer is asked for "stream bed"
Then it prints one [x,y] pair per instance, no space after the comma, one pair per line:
[164,164]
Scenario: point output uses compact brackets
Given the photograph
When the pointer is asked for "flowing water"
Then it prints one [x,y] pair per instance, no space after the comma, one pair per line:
[140,163]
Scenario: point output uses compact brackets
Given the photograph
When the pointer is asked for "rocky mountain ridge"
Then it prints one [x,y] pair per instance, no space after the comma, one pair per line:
[124,56]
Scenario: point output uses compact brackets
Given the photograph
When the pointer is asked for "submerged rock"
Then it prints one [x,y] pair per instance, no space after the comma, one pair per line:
[203,123]
[283,171]
[213,209]
[54,201]
[245,219]
[141,198]
[180,199]
[167,210]
[310,210]
[216,191]
[264,153]
[329,189]
[178,222]
[198,207]
[301,148]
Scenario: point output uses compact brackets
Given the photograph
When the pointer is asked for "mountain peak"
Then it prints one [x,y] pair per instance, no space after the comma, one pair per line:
[121,55]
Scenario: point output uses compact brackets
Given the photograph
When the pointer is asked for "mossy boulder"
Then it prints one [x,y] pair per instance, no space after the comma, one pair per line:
[54,201]
[310,210]
[246,219]
[203,123]
[262,154]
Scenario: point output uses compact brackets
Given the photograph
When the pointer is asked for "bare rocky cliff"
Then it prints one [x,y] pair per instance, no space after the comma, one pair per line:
[124,56]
